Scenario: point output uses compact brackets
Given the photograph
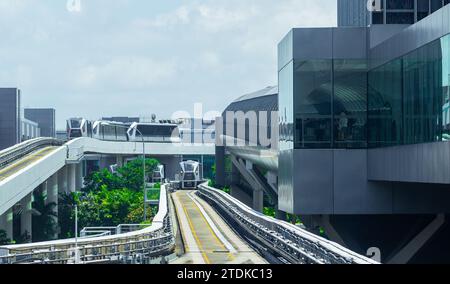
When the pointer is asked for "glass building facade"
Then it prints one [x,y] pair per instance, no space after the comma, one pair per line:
[339,103]
[405,11]
[409,97]
[330,104]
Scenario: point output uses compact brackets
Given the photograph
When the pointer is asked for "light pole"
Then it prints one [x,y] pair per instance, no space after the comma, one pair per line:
[144,174]
[76,235]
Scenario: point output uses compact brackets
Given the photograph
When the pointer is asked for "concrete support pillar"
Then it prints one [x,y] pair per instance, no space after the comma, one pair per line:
[6,223]
[71,178]
[52,197]
[79,180]
[220,166]
[258,200]
[119,161]
[63,180]
[26,217]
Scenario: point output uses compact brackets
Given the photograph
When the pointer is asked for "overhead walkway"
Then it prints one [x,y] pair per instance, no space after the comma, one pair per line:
[207,238]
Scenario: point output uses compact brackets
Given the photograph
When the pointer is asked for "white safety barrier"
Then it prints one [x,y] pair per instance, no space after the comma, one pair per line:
[154,241]
[291,242]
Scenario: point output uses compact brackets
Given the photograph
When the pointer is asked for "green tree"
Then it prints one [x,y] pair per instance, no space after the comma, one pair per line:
[108,199]
[44,222]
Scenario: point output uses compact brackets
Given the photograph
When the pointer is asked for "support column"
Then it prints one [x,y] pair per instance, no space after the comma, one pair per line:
[79,176]
[6,223]
[63,180]
[52,197]
[26,217]
[258,200]
[71,178]
[119,161]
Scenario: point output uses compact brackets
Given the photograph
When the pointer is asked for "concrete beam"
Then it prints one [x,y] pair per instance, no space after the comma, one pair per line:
[408,251]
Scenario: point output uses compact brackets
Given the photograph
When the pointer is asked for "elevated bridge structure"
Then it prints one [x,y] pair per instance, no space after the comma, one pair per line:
[205,226]
[53,167]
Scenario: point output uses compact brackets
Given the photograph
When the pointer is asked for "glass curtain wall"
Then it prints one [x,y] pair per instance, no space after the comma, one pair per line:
[409,97]
[330,104]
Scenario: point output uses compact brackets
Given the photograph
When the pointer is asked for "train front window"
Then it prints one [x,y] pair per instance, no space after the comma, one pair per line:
[75,123]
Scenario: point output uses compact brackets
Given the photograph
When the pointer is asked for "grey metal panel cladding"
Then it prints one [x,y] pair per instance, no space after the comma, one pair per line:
[350,43]
[429,29]
[313,43]
[286,181]
[313,180]
[350,180]
[421,163]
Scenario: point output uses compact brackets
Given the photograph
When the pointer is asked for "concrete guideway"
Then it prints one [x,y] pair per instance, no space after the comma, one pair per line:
[25,162]
[207,238]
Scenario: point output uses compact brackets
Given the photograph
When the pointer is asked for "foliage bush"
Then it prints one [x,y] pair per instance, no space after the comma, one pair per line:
[108,199]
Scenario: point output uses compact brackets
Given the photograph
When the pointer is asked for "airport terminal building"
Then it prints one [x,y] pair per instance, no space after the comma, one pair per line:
[364,130]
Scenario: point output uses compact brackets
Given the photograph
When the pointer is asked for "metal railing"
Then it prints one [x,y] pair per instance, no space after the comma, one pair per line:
[291,242]
[109,231]
[18,151]
[154,241]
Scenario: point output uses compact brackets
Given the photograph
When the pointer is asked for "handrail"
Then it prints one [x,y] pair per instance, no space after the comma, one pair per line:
[295,244]
[152,241]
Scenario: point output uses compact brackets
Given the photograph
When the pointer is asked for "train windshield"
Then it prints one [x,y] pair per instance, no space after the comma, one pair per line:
[189,167]
[75,123]
[158,130]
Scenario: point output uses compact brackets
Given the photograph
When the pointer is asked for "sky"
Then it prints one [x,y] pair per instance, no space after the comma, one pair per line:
[94,58]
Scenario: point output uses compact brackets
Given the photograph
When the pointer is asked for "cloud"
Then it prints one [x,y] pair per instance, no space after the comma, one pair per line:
[174,52]
[125,74]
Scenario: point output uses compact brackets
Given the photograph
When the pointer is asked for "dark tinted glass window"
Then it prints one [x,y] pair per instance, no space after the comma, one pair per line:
[400,18]
[312,103]
[400,5]
[385,105]
[350,104]
[377,18]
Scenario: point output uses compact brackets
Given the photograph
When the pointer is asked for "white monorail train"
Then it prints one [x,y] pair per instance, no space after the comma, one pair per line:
[154,132]
[110,131]
[78,127]
[190,174]
[116,131]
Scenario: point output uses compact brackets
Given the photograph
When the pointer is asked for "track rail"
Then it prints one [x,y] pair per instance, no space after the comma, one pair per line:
[291,242]
[19,151]
[154,241]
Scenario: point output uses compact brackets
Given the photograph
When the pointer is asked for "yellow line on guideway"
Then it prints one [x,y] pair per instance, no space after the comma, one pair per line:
[216,238]
[197,240]
[24,162]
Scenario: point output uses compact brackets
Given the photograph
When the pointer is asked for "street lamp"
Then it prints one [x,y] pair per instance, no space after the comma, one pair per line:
[143,165]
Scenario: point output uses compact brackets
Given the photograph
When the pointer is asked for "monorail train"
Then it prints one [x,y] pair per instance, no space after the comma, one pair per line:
[78,127]
[154,132]
[190,174]
[158,174]
[110,131]
[116,131]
